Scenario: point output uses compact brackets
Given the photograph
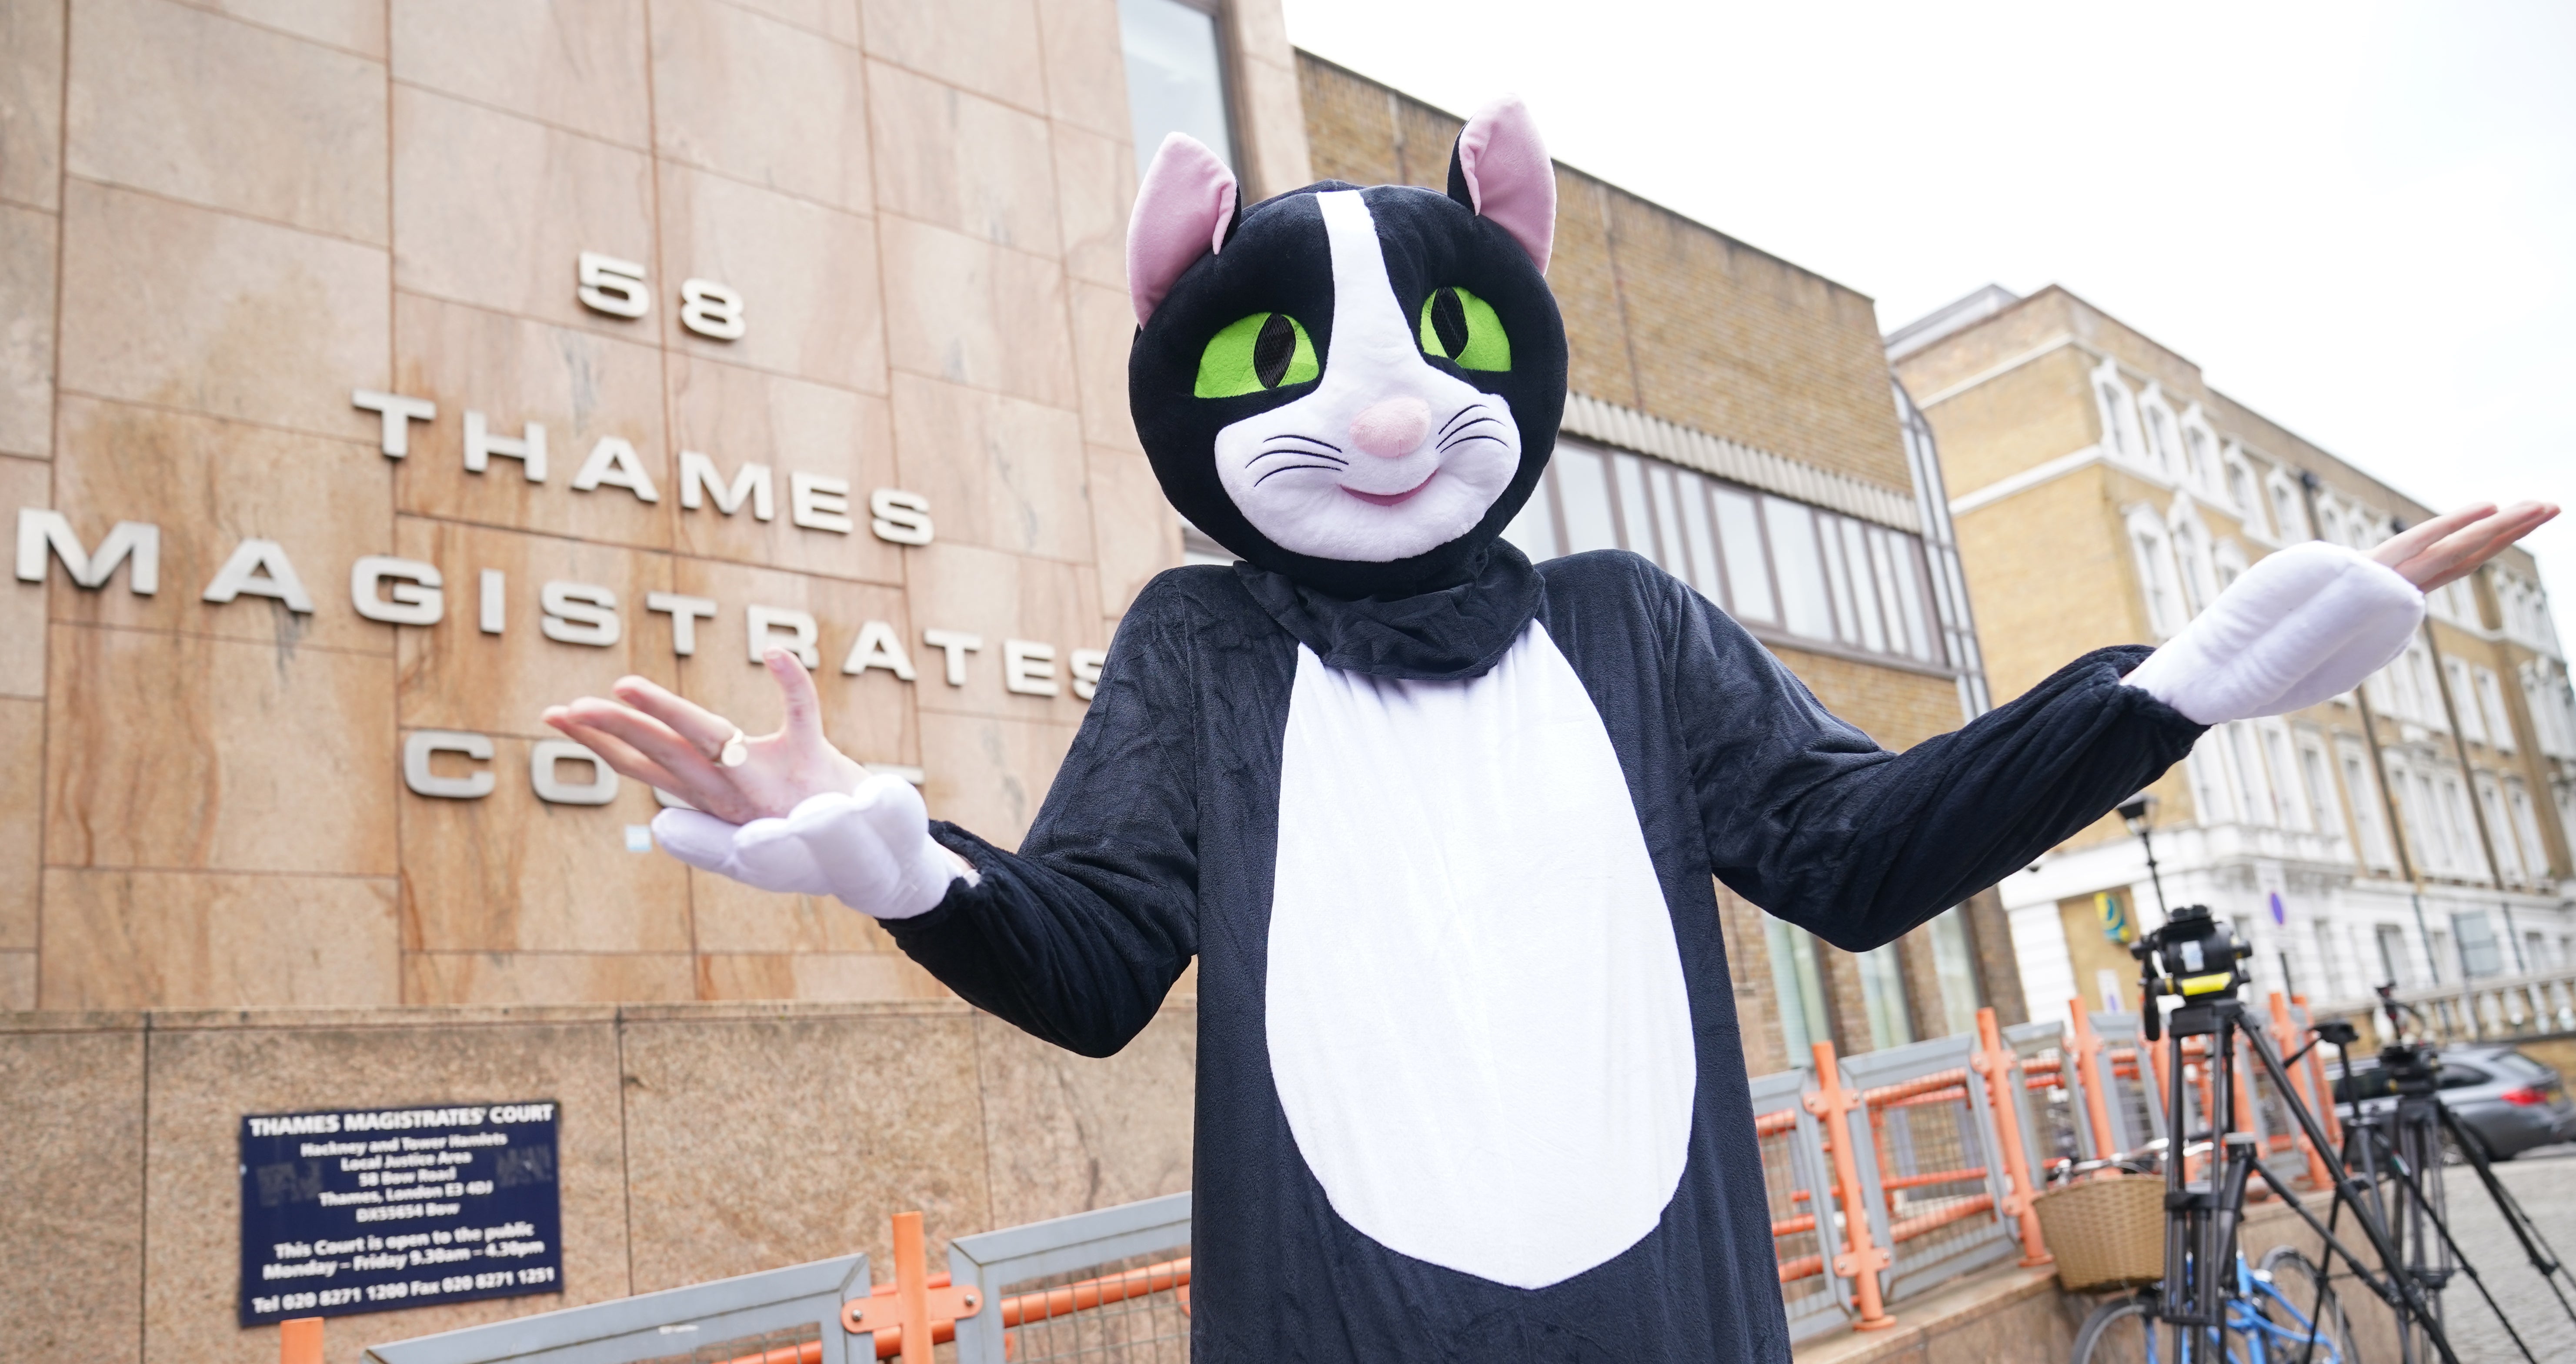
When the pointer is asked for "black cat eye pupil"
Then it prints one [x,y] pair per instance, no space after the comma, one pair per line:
[1448,322]
[1273,349]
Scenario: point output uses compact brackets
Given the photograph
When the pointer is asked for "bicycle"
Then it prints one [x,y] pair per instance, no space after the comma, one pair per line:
[2265,1322]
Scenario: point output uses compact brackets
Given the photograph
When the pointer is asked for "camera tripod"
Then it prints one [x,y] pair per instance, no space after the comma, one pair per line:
[2201,964]
[2401,1148]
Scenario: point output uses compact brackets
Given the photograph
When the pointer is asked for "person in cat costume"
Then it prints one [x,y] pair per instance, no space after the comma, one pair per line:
[1441,827]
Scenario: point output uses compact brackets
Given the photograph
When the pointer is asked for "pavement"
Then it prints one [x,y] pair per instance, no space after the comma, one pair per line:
[2544,1182]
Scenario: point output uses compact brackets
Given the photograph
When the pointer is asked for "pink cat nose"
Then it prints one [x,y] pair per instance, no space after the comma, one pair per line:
[1392,428]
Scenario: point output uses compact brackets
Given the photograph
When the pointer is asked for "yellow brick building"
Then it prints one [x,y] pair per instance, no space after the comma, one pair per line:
[2416,830]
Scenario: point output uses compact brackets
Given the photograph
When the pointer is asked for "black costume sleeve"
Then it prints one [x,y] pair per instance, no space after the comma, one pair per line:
[1818,825]
[1078,936]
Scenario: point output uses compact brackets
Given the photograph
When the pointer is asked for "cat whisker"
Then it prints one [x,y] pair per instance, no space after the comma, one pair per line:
[1464,412]
[1294,450]
[1312,440]
[1468,432]
[1284,468]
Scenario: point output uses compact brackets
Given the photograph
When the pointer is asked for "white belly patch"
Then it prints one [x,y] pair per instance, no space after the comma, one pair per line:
[1476,1015]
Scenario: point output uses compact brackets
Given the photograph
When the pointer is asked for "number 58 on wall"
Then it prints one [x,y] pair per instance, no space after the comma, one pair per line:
[616,287]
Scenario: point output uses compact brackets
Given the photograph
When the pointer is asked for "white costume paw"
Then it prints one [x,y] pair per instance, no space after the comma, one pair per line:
[2302,625]
[870,848]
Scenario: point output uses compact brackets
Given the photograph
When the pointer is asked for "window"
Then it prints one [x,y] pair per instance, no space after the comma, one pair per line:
[1771,562]
[2160,433]
[1175,76]
[2480,953]
[2199,454]
[2119,413]
[2323,815]
[2156,578]
[1882,992]
[2240,494]
[2363,799]
[2286,517]
[2464,698]
[1956,965]
[2526,828]
[2490,703]
[2291,801]
[2508,858]
[2392,955]
[2254,793]
[1801,987]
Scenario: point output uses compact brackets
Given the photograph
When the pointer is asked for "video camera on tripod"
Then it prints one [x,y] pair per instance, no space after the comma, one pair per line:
[2201,963]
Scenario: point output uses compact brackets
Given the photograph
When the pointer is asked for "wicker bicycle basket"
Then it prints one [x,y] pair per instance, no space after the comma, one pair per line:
[2105,1233]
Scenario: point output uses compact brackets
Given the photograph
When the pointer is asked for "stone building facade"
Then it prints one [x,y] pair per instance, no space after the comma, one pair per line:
[2417,829]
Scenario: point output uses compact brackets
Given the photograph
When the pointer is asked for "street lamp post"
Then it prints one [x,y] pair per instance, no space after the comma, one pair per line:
[2139,813]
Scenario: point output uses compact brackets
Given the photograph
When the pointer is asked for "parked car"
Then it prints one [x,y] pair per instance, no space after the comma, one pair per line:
[2511,1101]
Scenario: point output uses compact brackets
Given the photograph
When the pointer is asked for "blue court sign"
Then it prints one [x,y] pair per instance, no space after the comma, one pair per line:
[370,1210]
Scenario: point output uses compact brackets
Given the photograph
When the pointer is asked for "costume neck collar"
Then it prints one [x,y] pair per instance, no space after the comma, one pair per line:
[1453,632]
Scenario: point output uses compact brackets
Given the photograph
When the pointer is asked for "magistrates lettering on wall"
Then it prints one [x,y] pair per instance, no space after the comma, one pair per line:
[411,592]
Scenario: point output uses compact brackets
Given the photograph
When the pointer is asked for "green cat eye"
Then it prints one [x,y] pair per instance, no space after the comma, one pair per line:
[1458,326]
[1263,351]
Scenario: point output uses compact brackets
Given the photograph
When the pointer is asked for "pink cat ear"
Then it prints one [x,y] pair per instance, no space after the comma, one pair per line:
[1182,212]
[1500,169]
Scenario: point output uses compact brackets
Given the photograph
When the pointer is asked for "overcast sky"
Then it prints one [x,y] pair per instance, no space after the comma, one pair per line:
[2357,219]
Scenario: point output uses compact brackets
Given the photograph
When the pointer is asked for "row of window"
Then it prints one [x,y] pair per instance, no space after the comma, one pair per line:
[1799,570]
[2261,773]
[1797,976]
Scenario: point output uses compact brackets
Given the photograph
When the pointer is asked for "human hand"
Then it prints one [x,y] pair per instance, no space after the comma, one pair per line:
[672,743]
[2451,546]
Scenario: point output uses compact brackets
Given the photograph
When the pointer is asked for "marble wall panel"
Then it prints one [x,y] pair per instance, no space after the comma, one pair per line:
[22,820]
[303,143]
[454,676]
[841,977]
[988,46]
[848,1118]
[547,977]
[1138,533]
[204,1078]
[209,312]
[26,329]
[1095,186]
[1067,1134]
[807,276]
[999,472]
[31,102]
[577,64]
[124,939]
[990,775]
[734,918]
[23,483]
[1104,328]
[512,873]
[961,309]
[71,1233]
[738,416]
[353,25]
[837,20]
[968,164]
[209,485]
[760,100]
[17,982]
[182,751]
[496,210]
[997,596]
[1086,66]
[869,716]
[581,386]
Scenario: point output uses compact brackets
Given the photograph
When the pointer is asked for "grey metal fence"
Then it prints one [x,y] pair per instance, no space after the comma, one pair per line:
[796,1308]
[1110,1285]
[1798,1188]
[1934,1189]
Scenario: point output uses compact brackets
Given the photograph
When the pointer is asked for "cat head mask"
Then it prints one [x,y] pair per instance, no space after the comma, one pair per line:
[1354,388]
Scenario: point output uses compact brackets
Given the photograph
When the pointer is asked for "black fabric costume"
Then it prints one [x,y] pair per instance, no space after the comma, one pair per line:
[1156,844]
